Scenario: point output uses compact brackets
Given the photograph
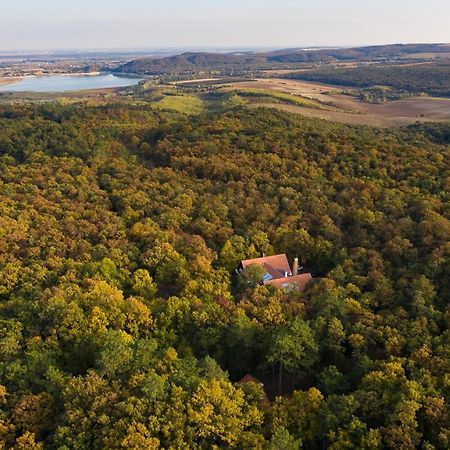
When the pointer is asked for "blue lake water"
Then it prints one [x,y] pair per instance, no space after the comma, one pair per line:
[66,83]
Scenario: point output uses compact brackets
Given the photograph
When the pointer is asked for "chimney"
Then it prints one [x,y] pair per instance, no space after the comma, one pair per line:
[295,267]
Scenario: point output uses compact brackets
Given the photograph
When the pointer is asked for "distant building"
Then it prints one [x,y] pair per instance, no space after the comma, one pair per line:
[278,273]
[264,401]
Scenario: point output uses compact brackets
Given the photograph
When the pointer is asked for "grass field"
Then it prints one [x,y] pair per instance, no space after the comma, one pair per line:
[267,94]
[315,91]
[184,104]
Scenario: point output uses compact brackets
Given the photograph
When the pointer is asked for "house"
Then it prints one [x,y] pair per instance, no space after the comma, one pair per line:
[278,273]
[264,400]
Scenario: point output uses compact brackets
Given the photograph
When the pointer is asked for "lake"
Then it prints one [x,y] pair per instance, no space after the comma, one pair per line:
[66,83]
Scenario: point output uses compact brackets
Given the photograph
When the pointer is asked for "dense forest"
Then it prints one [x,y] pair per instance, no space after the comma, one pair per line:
[193,62]
[430,78]
[124,326]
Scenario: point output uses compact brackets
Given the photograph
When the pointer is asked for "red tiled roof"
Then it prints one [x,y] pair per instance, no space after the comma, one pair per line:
[264,401]
[300,280]
[249,379]
[272,271]
[275,265]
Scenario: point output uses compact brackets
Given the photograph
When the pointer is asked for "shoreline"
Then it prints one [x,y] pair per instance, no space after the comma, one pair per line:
[12,80]
[9,80]
[75,74]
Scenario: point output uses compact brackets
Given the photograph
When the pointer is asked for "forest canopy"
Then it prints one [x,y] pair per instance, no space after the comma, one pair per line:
[123,324]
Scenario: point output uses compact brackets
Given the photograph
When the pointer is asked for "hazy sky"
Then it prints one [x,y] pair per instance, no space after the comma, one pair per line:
[51,24]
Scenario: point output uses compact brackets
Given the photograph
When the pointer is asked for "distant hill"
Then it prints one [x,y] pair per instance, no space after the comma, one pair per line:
[188,62]
[228,62]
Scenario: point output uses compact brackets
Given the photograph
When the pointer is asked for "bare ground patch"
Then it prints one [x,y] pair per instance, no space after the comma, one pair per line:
[294,87]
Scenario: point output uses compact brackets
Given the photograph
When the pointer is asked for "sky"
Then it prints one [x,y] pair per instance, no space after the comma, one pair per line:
[108,24]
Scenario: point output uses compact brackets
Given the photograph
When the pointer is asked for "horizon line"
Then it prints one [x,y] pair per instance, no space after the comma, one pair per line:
[204,47]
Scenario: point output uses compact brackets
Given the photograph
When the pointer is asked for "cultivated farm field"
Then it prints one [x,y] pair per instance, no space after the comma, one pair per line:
[339,107]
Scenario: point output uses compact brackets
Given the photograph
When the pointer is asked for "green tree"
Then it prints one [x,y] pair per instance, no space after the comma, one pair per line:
[143,284]
[219,415]
[293,348]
